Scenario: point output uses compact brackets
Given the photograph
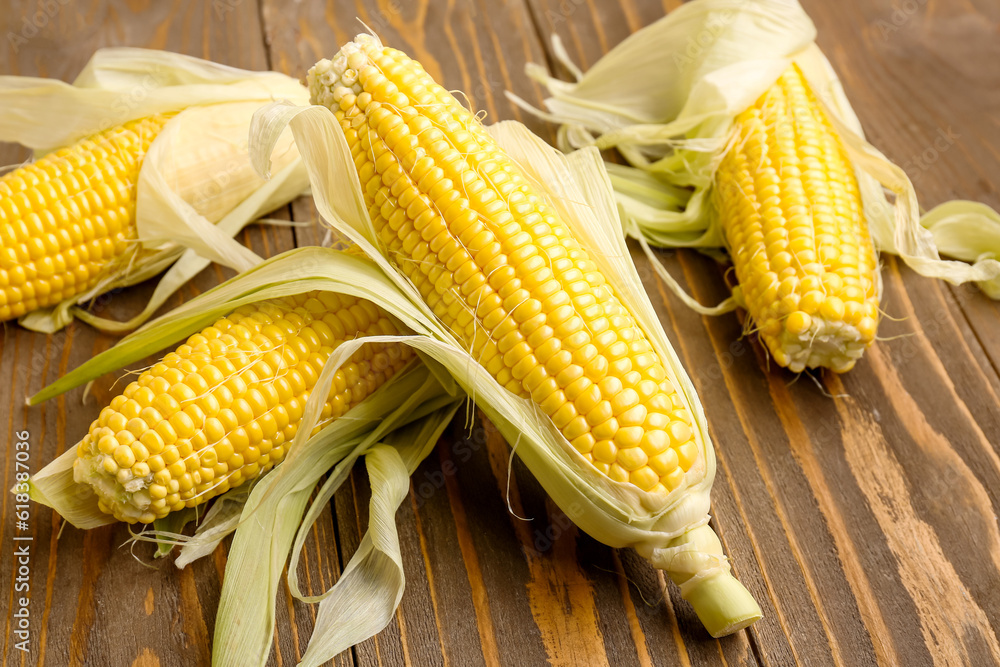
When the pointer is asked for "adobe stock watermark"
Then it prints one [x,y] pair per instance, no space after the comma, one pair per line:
[901,15]
[32,24]
[462,450]
[20,613]
[706,37]
[562,12]
[917,165]
[561,522]
[224,7]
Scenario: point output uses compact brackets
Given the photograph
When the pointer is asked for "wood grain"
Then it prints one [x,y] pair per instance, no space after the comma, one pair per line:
[860,510]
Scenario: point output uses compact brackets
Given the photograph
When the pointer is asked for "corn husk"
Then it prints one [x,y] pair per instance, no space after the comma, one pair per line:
[666,97]
[393,430]
[669,529]
[196,187]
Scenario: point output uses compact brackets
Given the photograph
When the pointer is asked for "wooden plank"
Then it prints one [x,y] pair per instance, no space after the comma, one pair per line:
[864,523]
[89,595]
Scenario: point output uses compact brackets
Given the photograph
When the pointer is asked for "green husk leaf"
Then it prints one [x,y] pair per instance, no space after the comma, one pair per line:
[169,530]
[711,59]
[196,188]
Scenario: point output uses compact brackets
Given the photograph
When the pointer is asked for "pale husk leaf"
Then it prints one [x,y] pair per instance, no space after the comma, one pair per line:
[273,514]
[221,520]
[423,397]
[196,173]
[365,598]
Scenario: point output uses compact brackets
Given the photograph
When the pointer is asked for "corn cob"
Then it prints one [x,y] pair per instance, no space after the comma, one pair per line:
[793,218]
[65,218]
[222,408]
[502,271]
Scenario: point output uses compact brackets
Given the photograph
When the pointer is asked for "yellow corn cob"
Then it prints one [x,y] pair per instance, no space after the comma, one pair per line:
[499,268]
[223,408]
[66,217]
[793,219]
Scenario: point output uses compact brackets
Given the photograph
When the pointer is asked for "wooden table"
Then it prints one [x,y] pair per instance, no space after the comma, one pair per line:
[864,523]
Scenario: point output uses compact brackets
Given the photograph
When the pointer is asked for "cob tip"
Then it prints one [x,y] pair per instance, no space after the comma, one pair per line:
[329,80]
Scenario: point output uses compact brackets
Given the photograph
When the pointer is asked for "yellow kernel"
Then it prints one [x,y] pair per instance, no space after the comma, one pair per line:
[664,462]
[632,458]
[584,444]
[617,473]
[152,441]
[635,416]
[107,444]
[625,399]
[124,456]
[687,454]
[654,441]
[183,424]
[644,478]
[672,479]
[867,327]
[605,451]
[679,433]
[600,414]
[853,312]
[811,302]
[117,421]
[629,437]
[606,430]
[656,421]
[798,323]
[156,463]
[239,440]
[610,387]
[832,309]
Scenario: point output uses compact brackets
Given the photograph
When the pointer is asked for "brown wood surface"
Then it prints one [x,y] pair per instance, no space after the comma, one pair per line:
[861,510]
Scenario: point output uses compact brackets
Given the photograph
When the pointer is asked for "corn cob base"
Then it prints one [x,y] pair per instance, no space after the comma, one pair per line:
[224,407]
